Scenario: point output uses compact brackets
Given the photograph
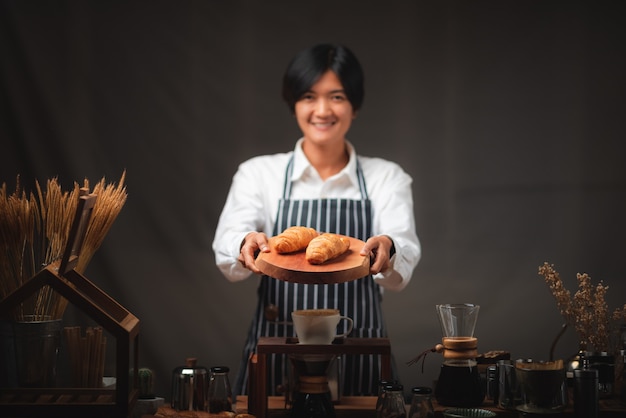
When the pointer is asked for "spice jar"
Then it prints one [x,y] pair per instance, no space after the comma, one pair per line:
[393,402]
[220,394]
[421,403]
[381,393]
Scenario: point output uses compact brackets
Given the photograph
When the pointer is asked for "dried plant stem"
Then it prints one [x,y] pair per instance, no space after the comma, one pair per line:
[587,311]
[34,230]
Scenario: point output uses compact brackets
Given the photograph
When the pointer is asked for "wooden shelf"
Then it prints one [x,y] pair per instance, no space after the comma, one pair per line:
[106,312]
[266,346]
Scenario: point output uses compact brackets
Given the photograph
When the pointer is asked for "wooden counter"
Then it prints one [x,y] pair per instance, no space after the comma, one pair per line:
[364,407]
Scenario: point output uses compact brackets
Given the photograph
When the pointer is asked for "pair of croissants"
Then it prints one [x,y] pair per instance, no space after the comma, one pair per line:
[319,247]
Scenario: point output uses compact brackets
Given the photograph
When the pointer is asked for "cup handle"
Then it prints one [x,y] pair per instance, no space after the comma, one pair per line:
[350,325]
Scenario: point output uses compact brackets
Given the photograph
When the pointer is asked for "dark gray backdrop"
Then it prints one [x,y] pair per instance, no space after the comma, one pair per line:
[508,115]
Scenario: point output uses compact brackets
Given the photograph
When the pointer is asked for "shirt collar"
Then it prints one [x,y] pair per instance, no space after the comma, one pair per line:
[301,164]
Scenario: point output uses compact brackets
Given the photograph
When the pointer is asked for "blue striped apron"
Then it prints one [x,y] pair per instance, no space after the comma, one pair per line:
[359,299]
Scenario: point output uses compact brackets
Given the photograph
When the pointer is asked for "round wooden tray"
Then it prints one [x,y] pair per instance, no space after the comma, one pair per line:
[293,267]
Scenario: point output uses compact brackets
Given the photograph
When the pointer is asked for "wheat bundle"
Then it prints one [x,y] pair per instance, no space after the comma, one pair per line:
[34,231]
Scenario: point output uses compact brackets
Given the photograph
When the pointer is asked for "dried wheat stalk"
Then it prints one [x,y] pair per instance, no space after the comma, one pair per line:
[34,231]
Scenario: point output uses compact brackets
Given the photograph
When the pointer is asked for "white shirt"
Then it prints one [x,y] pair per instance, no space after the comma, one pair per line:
[257,187]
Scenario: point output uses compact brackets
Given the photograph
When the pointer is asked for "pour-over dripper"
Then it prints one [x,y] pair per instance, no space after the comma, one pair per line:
[459,381]
[458,320]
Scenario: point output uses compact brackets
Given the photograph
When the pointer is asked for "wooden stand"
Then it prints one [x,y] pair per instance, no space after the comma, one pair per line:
[258,400]
[78,402]
[113,317]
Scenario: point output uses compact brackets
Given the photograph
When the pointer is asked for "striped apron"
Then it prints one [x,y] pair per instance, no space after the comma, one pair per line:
[359,299]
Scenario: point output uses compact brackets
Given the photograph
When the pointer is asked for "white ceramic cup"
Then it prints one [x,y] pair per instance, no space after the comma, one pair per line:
[319,326]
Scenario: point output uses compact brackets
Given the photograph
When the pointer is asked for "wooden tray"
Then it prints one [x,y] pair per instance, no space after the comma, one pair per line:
[294,268]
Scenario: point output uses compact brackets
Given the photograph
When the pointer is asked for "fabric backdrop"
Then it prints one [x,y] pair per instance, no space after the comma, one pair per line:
[508,116]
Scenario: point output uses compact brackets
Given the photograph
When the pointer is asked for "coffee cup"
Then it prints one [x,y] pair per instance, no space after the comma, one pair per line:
[319,326]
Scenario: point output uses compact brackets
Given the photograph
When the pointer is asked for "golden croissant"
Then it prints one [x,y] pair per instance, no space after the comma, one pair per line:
[293,239]
[326,247]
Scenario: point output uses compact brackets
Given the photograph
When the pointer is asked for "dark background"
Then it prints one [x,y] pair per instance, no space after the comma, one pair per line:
[508,115]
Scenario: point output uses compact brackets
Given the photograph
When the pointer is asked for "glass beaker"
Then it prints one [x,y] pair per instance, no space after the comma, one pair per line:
[459,382]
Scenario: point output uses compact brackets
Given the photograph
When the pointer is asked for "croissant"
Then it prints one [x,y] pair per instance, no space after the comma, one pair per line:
[293,239]
[326,247]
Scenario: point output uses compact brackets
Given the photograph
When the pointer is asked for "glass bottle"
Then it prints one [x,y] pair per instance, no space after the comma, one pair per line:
[220,393]
[421,403]
[393,402]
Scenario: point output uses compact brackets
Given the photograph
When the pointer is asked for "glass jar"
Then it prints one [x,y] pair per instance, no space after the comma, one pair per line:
[393,402]
[605,364]
[220,394]
[421,403]
[381,393]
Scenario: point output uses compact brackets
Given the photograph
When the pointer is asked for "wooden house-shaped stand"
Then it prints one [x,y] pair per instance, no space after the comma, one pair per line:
[107,313]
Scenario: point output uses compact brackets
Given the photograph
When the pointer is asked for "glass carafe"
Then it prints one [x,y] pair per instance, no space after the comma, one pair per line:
[312,398]
[459,382]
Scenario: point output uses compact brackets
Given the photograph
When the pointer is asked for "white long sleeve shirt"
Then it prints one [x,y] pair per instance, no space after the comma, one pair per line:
[257,187]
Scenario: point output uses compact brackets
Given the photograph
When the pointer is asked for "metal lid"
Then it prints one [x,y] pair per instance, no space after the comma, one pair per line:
[220,369]
[422,390]
[393,387]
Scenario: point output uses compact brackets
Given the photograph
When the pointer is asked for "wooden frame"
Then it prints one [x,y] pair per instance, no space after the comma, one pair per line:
[113,317]
[257,398]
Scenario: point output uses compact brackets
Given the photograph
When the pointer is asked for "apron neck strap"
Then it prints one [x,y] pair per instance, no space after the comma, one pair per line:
[289,171]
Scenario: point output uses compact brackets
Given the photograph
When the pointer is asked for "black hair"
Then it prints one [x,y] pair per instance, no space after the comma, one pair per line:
[310,64]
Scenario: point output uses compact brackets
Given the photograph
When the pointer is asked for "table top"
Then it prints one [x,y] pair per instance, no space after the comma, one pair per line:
[364,407]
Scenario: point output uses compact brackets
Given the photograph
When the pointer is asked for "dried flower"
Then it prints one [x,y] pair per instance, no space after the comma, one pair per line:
[587,311]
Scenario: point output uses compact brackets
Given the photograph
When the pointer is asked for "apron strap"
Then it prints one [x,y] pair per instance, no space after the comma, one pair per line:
[289,173]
